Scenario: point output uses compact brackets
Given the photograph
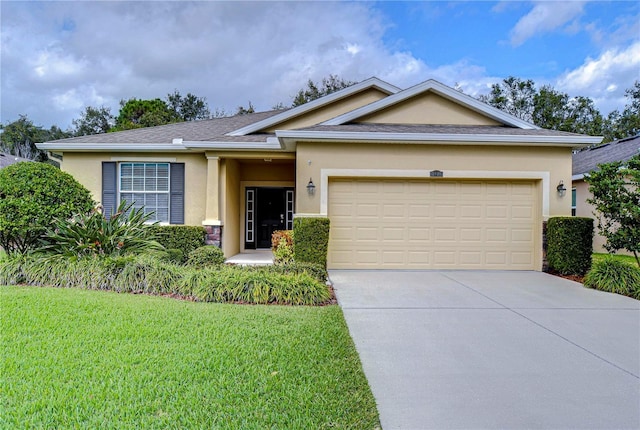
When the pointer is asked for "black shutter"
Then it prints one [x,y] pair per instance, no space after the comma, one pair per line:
[109,188]
[176,194]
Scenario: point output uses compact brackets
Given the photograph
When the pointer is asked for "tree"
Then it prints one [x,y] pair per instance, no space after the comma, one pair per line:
[241,110]
[20,137]
[513,96]
[32,196]
[314,91]
[94,121]
[616,198]
[554,110]
[136,113]
[189,107]
[619,125]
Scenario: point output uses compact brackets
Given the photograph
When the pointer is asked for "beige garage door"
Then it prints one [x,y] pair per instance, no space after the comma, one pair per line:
[434,224]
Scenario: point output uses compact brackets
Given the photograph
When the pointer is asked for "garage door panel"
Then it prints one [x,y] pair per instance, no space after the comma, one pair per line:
[433,224]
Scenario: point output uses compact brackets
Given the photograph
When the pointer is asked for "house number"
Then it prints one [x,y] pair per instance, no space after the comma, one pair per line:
[436,174]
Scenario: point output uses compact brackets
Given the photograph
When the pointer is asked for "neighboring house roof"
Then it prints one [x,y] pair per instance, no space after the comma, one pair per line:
[8,159]
[587,160]
[245,132]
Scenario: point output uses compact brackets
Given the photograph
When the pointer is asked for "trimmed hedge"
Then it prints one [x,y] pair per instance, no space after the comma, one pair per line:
[186,238]
[311,240]
[569,245]
[206,256]
[33,195]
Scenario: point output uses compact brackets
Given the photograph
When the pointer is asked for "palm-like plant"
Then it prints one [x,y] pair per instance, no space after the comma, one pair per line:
[125,232]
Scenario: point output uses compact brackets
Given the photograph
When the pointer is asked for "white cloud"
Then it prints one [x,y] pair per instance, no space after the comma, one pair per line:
[605,78]
[545,17]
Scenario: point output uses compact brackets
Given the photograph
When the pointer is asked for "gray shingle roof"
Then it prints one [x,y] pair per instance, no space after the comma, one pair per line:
[209,130]
[587,160]
[8,159]
[437,129]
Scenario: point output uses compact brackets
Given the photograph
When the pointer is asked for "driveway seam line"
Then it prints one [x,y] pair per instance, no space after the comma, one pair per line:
[543,327]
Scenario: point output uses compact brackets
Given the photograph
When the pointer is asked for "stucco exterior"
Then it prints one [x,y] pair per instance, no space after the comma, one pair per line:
[236,167]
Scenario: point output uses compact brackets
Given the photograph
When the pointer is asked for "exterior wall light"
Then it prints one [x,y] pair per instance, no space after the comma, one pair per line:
[311,188]
[562,190]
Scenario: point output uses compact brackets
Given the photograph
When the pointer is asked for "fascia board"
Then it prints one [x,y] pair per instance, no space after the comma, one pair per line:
[111,147]
[463,139]
[439,89]
[578,177]
[314,104]
[270,144]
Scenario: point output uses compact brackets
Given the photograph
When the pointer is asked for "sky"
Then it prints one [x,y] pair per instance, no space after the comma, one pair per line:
[59,57]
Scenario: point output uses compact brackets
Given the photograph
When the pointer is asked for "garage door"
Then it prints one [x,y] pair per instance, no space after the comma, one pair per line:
[434,224]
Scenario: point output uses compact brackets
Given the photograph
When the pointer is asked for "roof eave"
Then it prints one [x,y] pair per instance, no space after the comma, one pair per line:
[430,138]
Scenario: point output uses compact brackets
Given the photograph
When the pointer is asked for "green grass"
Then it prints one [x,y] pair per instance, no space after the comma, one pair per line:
[87,359]
[624,258]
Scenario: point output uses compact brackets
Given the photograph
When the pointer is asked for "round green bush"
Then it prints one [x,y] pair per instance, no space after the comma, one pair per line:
[32,196]
[614,276]
[206,256]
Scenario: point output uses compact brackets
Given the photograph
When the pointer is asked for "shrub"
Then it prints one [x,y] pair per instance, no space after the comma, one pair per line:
[614,276]
[282,246]
[206,256]
[569,244]
[258,284]
[174,256]
[125,232]
[32,195]
[183,237]
[147,274]
[316,271]
[311,240]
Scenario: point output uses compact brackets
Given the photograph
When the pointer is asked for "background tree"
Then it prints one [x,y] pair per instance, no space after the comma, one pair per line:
[555,110]
[241,110]
[314,91]
[93,121]
[514,96]
[616,198]
[20,137]
[626,123]
[189,107]
[136,113]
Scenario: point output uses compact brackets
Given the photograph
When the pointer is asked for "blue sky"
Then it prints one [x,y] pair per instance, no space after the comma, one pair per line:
[59,57]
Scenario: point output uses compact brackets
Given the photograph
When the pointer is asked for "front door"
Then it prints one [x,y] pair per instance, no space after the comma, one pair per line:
[267,209]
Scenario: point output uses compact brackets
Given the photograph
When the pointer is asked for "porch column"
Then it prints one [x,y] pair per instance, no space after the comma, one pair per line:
[212,222]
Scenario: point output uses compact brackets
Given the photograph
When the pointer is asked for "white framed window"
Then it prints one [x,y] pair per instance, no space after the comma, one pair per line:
[574,200]
[146,185]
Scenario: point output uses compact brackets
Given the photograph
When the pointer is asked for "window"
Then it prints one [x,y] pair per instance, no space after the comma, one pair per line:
[146,185]
[574,199]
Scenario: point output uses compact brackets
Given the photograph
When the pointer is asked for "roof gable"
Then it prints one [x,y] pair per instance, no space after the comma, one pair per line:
[316,111]
[462,107]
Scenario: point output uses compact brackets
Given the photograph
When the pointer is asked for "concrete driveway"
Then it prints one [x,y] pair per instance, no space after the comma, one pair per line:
[493,350]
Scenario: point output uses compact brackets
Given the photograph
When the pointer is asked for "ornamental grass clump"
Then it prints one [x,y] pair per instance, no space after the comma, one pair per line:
[614,276]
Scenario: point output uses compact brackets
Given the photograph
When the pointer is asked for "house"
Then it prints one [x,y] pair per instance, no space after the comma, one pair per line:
[8,159]
[586,161]
[425,177]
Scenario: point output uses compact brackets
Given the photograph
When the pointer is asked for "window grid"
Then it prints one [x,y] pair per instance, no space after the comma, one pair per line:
[147,186]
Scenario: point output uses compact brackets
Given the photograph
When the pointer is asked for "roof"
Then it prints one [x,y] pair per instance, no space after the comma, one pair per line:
[244,132]
[8,159]
[587,160]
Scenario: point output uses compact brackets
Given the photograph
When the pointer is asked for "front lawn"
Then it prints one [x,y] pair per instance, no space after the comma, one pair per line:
[624,258]
[74,358]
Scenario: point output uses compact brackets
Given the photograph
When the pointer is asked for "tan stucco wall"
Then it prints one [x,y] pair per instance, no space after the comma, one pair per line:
[331,111]
[267,171]
[87,169]
[231,208]
[428,108]
[552,161]
[584,209]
